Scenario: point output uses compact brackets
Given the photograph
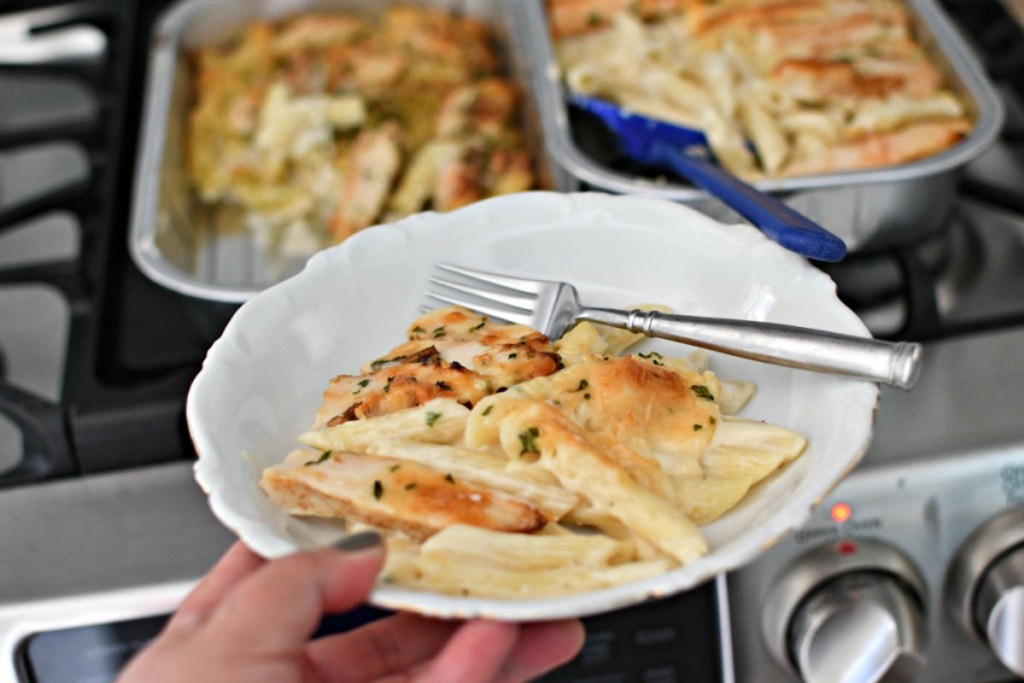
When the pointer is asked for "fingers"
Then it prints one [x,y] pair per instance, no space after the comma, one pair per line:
[476,652]
[542,647]
[380,649]
[277,608]
[237,563]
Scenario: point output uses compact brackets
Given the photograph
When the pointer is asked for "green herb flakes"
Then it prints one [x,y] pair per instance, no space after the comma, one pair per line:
[378,489]
[319,460]
[432,418]
[701,391]
[528,439]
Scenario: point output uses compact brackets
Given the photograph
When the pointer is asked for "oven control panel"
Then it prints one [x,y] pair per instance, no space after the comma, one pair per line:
[905,573]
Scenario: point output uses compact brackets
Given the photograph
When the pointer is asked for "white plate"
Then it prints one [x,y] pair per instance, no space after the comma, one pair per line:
[262,380]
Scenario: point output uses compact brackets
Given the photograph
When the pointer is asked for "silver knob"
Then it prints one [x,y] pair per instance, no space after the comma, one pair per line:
[985,587]
[848,612]
[856,628]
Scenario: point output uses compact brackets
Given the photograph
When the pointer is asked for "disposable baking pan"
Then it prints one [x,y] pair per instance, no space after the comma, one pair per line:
[182,244]
[870,209]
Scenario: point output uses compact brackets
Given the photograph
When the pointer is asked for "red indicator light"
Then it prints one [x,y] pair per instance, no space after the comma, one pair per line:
[840,512]
[846,547]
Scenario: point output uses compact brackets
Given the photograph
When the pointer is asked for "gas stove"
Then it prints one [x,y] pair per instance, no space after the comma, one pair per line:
[104,530]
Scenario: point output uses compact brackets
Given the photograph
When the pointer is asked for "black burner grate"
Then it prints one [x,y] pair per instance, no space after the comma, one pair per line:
[133,347]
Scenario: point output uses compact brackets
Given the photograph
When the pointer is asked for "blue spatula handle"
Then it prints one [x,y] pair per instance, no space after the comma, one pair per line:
[792,230]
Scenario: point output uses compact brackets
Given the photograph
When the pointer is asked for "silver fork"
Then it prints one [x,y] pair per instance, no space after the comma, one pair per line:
[554,307]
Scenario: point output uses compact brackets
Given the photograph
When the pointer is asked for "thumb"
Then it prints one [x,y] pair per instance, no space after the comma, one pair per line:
[280,606]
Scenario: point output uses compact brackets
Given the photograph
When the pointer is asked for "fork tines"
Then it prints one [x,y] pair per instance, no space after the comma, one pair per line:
[498,296]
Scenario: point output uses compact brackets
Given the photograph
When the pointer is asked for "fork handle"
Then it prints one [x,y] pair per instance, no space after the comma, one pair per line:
[893,363]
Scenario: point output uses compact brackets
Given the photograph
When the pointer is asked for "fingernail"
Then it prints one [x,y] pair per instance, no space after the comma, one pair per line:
[364,540]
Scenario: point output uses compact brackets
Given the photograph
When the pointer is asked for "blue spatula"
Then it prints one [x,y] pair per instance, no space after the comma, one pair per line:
[659,144]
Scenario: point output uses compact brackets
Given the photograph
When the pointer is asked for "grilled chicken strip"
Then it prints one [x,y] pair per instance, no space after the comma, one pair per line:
[391,494]
[451,353]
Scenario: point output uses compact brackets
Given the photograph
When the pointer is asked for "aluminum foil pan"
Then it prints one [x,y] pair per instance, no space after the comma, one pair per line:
[182,244]
[870,209]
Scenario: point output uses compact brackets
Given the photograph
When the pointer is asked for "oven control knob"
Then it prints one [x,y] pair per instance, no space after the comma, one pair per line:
[848,612]
[985,587]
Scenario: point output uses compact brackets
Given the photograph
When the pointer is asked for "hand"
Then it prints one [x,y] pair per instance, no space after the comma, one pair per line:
[251,620]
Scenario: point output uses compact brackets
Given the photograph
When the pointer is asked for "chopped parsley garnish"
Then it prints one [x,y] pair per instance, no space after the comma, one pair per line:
[378,489]
[488,409]
[418,330]
[712,420]
[438,332]
[410,486]
[432,418]
[697,428]
[362,385]
[512,355]
[701,391]
[477,327]
[449,478]
[319,460]
[583,385]
[653,356]
[586,396]
[528,439]
[394,468]
[443,386]
[380,362]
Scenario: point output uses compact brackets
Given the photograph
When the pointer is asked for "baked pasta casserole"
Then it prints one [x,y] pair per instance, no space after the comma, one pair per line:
[779,87]
[498,463]
[310,129]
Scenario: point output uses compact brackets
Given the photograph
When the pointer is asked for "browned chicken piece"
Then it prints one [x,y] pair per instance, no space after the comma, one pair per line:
[485,107]
[452,353]
[823,80]
[509,170]
[799,27]
[434,34]
[909,63]
[391,494]
[417,379]
[907,144]
[828,35]
[575,17]
[492,158]
[317,30]
[460,181]
[372,167]
[365,67]
[504,353]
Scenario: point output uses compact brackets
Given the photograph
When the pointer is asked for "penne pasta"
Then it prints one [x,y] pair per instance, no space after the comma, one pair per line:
[586,472]
[762,78]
